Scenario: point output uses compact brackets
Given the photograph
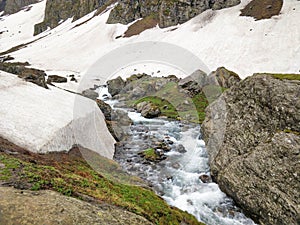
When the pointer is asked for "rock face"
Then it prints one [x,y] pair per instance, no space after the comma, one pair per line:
[57,11]
[256,159]
[117,121]
[169,12]
[13,6]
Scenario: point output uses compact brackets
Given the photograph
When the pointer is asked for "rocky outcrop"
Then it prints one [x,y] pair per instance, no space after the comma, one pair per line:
[57,11]
[117,121]
[223,77]
[13,6]
[252,134]
[180,99]
[194,83]
[56,79]
[29,74]
[198,80]
[169,12]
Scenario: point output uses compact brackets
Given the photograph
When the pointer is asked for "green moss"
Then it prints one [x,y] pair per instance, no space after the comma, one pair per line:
[7,166]
[150,154]
[291,131]
[170,101]
[166,108]
[76,178]
[286,76]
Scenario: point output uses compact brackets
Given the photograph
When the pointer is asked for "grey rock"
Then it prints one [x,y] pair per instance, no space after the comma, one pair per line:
[205,178]
[223,77]
[252,136]
[148,109]
[105,108]
[90,94]
[121,117]
[115,86]
[56,79]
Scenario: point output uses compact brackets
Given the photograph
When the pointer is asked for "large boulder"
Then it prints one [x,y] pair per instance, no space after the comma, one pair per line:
[252,134]
[194,83]
[105,108]
[223,77]
[115,86]
[148,109]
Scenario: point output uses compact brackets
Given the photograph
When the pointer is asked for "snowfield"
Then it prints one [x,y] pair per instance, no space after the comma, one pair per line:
[42,120]
[218,38]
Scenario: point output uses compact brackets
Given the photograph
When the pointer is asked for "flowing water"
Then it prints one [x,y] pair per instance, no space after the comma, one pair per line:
[176,176]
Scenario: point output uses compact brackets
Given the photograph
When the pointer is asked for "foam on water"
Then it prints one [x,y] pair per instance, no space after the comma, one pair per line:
[180,186]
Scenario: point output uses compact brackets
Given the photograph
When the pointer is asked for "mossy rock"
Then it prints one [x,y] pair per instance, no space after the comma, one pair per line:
[150,154]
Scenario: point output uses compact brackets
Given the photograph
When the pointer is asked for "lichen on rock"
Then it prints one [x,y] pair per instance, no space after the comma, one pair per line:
[57,11]
[254,160]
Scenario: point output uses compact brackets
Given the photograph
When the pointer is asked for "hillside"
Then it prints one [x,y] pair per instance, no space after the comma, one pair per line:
[166,112]
[218,38]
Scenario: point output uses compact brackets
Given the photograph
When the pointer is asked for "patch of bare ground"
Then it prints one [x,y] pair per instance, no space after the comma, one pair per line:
[262,9]
[141,25]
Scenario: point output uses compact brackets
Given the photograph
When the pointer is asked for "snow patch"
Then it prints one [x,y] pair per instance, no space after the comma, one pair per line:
[42,120]
[218,38]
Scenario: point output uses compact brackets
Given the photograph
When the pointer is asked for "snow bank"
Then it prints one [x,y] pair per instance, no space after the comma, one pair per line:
[218,38]
[18,28]
[42,120]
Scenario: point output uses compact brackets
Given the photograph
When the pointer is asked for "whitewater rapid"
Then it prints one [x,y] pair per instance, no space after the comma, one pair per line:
[176,179]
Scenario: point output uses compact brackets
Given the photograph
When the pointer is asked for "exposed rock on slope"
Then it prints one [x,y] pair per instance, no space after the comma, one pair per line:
[29,74]
[13,6]
[57,11]
[184,99]
[169,12]
[256,162]
[48,207]
[262,9]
